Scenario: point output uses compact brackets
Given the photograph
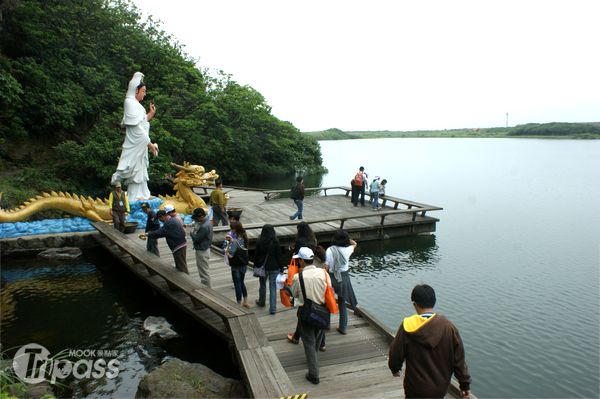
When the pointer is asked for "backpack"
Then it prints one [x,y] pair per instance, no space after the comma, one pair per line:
[295,192]
[240,257]
[358,179]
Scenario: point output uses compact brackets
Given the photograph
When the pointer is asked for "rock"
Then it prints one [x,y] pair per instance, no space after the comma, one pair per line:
[66,253]
[159,326]
[178,379]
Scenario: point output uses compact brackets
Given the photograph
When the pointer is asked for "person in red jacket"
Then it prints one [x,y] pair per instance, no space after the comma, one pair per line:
[431,346]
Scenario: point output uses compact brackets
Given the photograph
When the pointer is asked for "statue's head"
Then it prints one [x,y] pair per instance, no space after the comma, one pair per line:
[140,91]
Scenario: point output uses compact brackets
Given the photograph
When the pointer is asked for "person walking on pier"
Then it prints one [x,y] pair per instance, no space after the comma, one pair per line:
[315,283]
[119,207]
[337,259]
[237,253]
[218,202]
[173,232]
[202,234]
[152,223]
[432,349]
[268,254]
[298,196]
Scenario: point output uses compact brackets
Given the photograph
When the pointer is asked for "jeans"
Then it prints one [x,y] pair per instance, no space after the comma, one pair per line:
[343,314]
[262,290]
[375,199]
[237,275]
[152,246]
[300,204]
[219,216]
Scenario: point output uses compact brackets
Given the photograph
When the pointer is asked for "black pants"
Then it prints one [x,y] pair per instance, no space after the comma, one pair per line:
[180,262]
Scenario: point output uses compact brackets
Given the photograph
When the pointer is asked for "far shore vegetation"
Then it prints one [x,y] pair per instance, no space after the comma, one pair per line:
[555,130]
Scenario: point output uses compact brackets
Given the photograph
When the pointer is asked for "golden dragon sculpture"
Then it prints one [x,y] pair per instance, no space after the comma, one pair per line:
[96,209]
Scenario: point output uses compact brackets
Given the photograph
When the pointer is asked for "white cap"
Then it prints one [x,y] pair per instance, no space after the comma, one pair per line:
[169,208]
[304,253]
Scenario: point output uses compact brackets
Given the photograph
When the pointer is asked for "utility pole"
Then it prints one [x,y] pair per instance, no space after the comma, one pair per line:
[507,119]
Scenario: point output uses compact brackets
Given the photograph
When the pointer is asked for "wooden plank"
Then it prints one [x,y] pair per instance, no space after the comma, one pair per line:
[247,332]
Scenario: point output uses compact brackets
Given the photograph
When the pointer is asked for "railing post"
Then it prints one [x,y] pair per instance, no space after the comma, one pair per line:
[342,224]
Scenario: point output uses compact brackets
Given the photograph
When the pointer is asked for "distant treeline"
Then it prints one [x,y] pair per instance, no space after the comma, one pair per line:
[64,70]
[554,130]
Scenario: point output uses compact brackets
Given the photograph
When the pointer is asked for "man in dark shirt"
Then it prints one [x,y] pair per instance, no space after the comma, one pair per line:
[174,233]
[202,233]
[298,197]
[431,346]
[152,223]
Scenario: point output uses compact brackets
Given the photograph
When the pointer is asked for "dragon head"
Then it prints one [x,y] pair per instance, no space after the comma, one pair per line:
[194,175]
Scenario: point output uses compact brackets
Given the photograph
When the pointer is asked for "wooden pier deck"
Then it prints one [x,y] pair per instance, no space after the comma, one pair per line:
[326,213]
[354,365]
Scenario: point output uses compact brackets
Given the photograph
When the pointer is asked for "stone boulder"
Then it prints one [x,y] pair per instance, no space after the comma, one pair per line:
[158,325]
[66,253]
[178,379]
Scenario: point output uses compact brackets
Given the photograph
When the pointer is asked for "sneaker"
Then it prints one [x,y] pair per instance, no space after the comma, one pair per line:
[323,348]
[291,339]
[314,380]
[340,331]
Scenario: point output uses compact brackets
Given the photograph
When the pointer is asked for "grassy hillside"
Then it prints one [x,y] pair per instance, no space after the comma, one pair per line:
[546,130]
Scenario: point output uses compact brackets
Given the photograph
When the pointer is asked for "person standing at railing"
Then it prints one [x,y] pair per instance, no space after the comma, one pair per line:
[119,207]
[382,188]
[173,232]
[359,185]
[375,193]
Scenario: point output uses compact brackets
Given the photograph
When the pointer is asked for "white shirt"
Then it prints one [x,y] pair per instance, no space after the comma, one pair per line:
[346,252]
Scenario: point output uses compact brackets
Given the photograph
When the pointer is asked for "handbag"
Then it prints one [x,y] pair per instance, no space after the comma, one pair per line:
[330,301]
[260,271]
[311,313]
[292,270]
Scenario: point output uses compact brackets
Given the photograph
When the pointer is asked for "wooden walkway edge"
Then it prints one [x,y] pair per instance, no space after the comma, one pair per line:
[263,374]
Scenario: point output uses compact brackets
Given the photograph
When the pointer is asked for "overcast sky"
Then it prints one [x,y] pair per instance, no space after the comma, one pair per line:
[400,65]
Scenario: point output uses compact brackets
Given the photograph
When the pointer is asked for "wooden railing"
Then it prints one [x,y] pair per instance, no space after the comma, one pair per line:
[341,219]
[263,374]
[271,194]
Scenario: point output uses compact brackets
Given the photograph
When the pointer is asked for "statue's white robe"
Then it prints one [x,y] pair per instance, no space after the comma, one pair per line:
[133,163]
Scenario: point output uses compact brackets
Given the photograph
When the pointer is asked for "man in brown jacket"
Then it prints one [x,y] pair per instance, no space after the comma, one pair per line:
[432,348]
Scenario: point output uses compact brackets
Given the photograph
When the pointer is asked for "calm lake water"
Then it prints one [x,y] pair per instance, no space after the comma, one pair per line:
[514,261]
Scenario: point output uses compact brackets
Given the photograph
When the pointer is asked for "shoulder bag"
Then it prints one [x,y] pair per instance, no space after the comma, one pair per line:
[311,313]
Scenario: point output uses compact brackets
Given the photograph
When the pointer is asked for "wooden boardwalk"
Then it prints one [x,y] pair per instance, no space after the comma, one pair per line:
[354,365]
[327,213]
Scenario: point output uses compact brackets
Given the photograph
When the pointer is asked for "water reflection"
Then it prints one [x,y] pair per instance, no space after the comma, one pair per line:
[399,254]
[94,303]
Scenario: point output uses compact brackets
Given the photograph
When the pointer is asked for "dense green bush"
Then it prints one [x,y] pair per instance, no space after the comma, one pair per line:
[64,69]
[556,129]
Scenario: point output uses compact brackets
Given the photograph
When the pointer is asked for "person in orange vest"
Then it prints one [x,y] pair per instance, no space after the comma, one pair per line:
[119,207]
